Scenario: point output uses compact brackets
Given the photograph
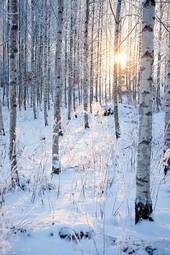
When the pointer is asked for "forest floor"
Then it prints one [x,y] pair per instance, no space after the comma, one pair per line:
[94,194]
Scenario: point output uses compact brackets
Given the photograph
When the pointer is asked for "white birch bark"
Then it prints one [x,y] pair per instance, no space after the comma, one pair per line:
[33,66]
[92,57]
[116,69]
[49,55]
[98,54]
[25,54]
[2,131]
[65,57]
[74,55]
[70,64]
[46,65]
[167,104]
[158,96]
[143,205]
[13,53]
[86,68]
[56,168]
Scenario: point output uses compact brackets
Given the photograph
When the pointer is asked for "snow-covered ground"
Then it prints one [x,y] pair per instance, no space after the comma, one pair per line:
[95,192]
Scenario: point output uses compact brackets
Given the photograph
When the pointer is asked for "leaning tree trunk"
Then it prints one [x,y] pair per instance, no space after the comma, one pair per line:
[56,168]
[116,68]
[143,204]
[13,53]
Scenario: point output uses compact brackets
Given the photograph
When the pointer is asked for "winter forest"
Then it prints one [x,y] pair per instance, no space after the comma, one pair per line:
[84,127]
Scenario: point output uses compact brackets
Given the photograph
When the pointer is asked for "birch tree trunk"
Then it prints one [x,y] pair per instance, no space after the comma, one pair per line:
[167,104]
[79,54]
[2,131]
[158,96]
[116,69]
[86,68]
[20,53]
[5,59]
[33,40]
[46,65]
[65,58]
[39,52]
[143,204]
[70,64]
[92,57]
[13,53]
[56,168]
[100,54]
[49,55]
[74,55]
[5,66]
[25,55]
[97,55]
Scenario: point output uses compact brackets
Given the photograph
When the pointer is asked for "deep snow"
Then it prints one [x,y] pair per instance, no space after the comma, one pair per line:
[96,189]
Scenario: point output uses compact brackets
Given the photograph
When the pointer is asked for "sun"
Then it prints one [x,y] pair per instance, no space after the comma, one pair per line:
[121,59]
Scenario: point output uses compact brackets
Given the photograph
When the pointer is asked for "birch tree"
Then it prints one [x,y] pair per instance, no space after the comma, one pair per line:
[97,54]
[143,204]
[46,65]
[5,78]
[13,53]
[2,131]
[116,68]
[70,63]
[33,66]
[56,168]
[158,96]
[92,56]
[166,156]
[86,68]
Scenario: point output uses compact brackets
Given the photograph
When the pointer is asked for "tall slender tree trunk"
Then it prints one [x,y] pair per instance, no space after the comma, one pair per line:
[143,204]
[56,168]
[33,66]
[2,131]
[65,59]
[49,56]
[74,56]
[167,103]
[86,68]
[21,56]
[100,56]
[13,53]
[46,89]
[5,57]
[70,64]
[97,55]
[25,55]
[92,58]
[116,69]
[158,85]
